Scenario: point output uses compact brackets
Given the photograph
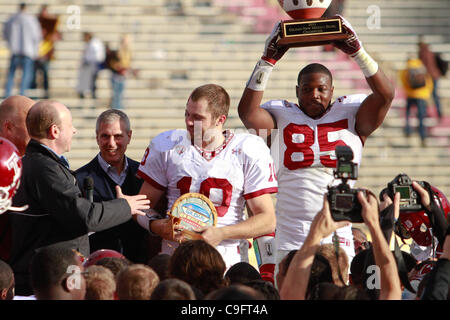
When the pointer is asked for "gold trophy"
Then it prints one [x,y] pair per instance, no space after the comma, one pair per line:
[308,27]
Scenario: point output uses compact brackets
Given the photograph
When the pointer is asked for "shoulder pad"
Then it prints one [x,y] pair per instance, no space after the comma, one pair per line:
[169,139]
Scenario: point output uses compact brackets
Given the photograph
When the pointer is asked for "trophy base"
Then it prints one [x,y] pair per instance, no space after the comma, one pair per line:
[311,32]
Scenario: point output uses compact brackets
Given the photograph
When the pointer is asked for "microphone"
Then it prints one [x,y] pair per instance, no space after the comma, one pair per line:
[88,185]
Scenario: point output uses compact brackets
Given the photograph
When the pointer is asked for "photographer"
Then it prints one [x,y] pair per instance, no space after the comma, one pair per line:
[434,211]
[422,224]
[420,218]
[437,287]
[323,225]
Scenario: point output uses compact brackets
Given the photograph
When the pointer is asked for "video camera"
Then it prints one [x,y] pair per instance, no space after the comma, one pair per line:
[344,204]
[409,198]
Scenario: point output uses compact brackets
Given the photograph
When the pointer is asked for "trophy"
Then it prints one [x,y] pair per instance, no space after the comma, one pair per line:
[191,211]
[308,28]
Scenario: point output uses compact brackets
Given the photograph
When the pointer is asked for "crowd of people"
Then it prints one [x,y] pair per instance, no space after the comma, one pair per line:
[31,42]
[105,231]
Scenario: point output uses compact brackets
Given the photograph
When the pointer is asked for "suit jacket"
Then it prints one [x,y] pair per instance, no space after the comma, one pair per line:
[57,212]
[128,238]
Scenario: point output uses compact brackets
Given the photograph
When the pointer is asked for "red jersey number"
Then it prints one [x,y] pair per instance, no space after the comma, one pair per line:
[292,131]
[144,158]
[184,185]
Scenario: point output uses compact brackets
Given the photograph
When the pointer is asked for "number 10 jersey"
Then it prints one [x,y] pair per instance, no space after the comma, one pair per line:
[240,169]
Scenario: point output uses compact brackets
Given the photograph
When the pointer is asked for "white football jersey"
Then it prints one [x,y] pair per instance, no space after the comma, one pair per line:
[240,169]
[303,150]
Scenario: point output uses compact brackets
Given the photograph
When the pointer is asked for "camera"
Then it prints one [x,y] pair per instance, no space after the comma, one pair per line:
[409,198]
[344,204]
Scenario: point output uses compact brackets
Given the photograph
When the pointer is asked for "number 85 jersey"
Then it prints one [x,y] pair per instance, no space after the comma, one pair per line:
[240,169]
[303,150]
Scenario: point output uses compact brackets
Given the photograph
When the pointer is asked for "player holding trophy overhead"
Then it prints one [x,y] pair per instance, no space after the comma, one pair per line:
[309,131]
[230,169]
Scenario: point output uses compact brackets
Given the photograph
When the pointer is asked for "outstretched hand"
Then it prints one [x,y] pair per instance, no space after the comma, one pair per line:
[137,203]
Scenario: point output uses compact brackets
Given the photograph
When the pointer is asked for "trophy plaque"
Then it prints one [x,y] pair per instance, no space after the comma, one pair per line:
[311,32]
[191,211]
[308,27]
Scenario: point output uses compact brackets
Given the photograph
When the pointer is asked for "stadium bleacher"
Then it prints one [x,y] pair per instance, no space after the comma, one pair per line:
[179,45]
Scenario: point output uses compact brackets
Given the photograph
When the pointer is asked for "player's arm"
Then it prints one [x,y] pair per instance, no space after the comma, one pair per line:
[261,222]
[250,112]
[374,108]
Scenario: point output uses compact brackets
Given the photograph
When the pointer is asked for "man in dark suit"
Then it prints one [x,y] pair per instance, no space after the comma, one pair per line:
[110,168]
[57,211]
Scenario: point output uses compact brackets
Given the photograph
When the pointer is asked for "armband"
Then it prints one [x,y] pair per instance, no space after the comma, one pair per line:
[365,62]
[260,75]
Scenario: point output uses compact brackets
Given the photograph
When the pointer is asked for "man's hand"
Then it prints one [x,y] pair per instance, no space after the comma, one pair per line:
[212,235]
[272,52]
[424,195]
[387,202]
[168,229]
[370,209]
[351,45]
[323,224]
[137,203]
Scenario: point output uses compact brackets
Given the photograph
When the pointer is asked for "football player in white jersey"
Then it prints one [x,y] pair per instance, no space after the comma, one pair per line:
[304,135]
[230,169]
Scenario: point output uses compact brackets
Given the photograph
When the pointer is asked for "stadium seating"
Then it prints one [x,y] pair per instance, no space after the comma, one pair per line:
[179,45]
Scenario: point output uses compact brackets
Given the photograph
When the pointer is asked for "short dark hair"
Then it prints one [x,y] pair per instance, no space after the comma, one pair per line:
[173,289]
[235,292]
[242,272]
[160,264]
[330,291]
[199,264]
[114,264]
[266,288]
[314,68]
[50,264]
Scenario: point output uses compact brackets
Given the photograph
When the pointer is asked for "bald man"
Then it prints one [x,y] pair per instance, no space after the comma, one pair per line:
[57,213]
[13,112]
